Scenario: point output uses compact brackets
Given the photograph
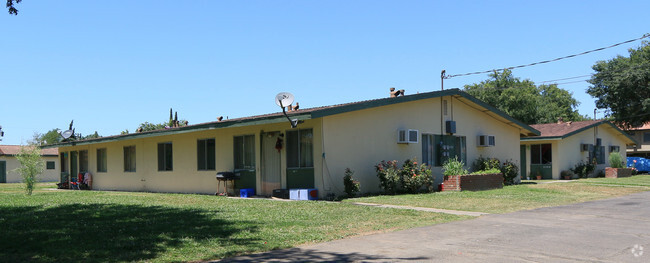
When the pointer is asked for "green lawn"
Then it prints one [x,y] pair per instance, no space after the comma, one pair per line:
[520,197]
[92,226]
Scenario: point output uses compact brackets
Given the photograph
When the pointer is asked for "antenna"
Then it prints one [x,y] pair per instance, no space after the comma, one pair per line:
[66,134]
[2,133]
[284,99]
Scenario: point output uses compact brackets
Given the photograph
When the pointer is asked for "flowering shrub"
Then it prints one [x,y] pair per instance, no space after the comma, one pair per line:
[351,186]
[410,178]
[583,169]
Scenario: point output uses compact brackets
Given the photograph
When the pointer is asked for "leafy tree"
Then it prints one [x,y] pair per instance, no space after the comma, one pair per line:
[622,85]
[50,137]
[10,6]
[148,126]
[31,165]
[524,100]
[92,136]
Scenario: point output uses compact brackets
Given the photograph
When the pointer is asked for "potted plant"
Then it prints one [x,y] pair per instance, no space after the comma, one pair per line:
[567,174]
[538,175]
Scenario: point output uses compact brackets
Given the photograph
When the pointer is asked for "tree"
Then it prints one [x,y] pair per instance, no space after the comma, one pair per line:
[173,122]
[50,137]
[10,6]
[31,165]
[525,101]
[622,85]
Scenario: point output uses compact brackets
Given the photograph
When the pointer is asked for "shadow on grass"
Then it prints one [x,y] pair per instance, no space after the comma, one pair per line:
[107,233]
[311,255]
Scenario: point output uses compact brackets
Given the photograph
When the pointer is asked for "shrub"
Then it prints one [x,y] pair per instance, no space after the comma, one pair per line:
[453,167]
[510,171]
[490,171]
[352,187]
[484,164]
[616,160]
[410,178]
[583,169]
[388,174]
[31,165]
[415,176]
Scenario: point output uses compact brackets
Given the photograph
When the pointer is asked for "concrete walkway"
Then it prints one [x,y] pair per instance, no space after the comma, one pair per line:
[612,230]
[426,209]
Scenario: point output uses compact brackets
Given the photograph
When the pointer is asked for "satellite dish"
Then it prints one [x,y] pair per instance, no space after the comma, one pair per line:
[284,99]
[66,134]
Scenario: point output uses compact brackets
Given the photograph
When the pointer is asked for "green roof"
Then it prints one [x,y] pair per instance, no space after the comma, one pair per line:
[313,113]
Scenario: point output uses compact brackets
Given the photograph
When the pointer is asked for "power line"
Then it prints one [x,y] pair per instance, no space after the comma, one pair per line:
[547,61]
[577,77]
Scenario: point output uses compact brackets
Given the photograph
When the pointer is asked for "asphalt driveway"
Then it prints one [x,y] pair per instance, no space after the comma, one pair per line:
[612,230]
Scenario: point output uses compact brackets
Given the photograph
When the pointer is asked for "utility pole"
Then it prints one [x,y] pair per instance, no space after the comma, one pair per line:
[442,80]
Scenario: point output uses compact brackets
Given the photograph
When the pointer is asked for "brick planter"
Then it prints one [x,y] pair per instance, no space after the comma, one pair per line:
[472,182]
[617,172]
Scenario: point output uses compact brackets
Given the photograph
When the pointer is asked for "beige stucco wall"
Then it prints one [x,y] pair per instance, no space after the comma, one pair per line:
[359,140]
[48,175]
[185,177]
[566,152]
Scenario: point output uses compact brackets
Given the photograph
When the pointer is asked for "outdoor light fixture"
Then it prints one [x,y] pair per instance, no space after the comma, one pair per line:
[284,99]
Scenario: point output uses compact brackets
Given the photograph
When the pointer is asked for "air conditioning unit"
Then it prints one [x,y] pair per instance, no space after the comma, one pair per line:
[584,147]
[614,149]
[486,140]
[407,136]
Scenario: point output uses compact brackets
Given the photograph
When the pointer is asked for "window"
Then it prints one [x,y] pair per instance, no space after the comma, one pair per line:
[165,162]
[300,148]
[50,165]
[244,152]
[129,158]
[101,160]
[437,149]
[540,154]
[646,137]
[83,161]
[206,159]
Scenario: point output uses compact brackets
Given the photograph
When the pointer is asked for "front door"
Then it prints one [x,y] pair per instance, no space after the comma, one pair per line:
[541,161]
[3,171]
[271,169]
[73,165]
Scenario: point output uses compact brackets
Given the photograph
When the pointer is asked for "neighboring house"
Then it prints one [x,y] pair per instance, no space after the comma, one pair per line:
[562,145]
[642,136]
[270,154]
[9,163]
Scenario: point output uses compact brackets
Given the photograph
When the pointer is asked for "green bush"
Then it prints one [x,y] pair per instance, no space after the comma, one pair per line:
[510,171]
[453,167]
[583,169]
[352,187]
[490,171]
[389,178]
[616,160]
[484,164]
[410,178]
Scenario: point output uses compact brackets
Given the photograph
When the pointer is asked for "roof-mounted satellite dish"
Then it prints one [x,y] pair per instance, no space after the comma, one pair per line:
[283,99]
[66,134]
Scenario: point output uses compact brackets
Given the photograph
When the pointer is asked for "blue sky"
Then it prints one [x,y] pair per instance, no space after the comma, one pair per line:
[111,65]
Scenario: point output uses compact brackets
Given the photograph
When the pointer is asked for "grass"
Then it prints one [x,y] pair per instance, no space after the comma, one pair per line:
[520,197]
[92,226]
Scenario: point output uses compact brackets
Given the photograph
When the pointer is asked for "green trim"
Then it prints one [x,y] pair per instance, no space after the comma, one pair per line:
[578,131]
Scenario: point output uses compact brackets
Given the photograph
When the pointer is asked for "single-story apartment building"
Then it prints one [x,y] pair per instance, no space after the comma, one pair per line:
[562,145]
[9,163]
[270,154]
[642,136]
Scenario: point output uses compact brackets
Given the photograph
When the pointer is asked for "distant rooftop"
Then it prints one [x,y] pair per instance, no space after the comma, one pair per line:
[12,150]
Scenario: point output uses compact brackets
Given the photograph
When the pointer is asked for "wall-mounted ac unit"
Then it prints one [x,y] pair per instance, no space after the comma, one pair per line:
[486,140]
[614,149]
[407,136]
[584,147]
